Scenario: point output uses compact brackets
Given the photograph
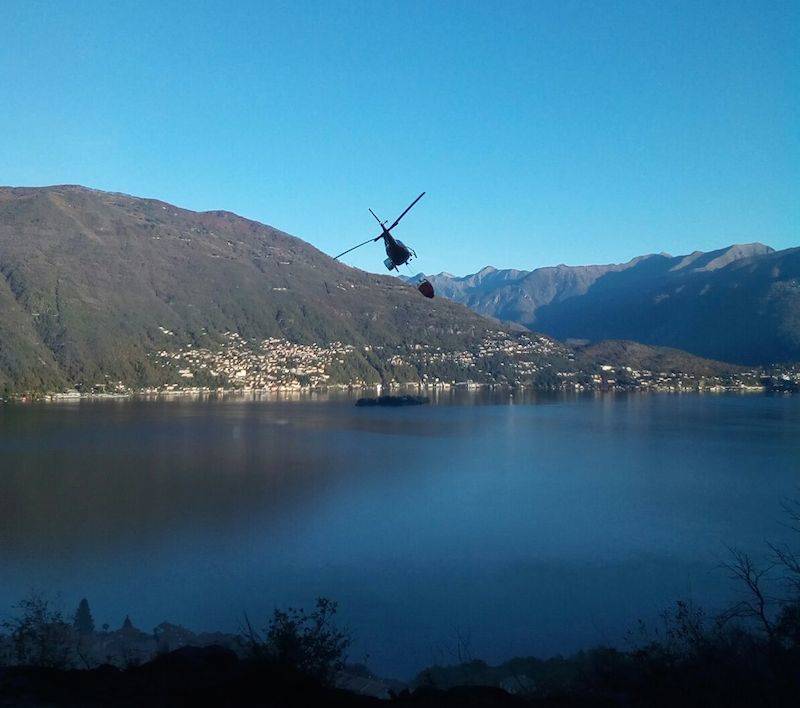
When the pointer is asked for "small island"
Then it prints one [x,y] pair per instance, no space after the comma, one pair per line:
[393,401]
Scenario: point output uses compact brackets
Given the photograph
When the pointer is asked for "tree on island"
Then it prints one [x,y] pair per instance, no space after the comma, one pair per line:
[83,620]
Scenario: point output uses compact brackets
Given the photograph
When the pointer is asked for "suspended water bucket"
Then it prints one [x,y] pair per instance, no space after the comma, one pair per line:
[426,288]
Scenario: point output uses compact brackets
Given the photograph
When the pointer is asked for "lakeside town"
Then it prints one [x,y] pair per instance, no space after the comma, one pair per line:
[522,360]
[499,359]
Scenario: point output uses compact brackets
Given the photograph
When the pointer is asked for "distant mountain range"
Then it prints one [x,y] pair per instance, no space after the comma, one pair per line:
[739,304]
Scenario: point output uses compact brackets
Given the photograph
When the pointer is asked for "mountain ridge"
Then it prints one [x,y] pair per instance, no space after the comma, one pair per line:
[89,280]
[690,302]
[107,292]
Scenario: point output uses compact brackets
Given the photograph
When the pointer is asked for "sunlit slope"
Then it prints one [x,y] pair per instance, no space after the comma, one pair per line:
[90,281]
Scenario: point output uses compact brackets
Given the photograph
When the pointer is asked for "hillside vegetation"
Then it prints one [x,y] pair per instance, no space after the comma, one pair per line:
[105,292]
[92,283]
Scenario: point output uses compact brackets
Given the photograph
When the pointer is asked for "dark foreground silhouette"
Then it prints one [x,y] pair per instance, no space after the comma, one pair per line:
[299,661]
[749,655]
[213,675]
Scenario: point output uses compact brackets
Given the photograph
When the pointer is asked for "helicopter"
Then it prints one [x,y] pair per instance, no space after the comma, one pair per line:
[397,253]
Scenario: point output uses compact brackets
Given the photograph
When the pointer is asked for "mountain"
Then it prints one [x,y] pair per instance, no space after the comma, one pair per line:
[646,357]
[104,292]
[93,283]
[739,304]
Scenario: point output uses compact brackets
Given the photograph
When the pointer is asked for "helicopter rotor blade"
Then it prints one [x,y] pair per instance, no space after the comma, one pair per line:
[363,243]
[408,208]
[382,223]
[383,226]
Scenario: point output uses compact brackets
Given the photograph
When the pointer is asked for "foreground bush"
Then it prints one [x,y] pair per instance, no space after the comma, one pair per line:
[307,641]
[39,634]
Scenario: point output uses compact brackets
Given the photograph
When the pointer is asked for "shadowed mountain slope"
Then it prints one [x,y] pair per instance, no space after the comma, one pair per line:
[738,304]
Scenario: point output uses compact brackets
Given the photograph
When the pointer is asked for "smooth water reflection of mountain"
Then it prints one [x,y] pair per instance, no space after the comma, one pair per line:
[526,524]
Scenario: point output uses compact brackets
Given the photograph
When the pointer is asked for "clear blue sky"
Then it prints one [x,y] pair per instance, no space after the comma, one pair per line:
[544,132]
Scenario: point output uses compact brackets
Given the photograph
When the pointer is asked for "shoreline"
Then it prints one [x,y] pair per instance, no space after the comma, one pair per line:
[312,391]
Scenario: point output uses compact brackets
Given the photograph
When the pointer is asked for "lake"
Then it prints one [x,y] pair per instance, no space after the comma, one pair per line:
[482,524]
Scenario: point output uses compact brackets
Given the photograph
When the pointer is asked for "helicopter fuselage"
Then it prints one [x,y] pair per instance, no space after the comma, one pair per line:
[398,253]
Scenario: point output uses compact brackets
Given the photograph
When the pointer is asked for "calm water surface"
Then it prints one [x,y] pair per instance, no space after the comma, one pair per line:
[527,526]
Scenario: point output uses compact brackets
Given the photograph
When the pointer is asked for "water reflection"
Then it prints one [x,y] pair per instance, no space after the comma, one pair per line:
[535,528]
